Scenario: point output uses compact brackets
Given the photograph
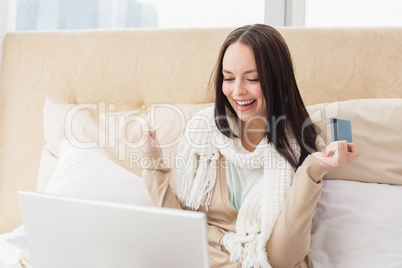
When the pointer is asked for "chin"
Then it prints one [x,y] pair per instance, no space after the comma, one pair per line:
[242,117]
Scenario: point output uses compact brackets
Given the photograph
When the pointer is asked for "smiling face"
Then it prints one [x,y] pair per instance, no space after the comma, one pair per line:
[241,84]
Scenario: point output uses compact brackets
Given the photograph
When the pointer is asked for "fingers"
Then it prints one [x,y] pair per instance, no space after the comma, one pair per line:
[354,152]
[144,132]
[335,148]
[145,138]
[329,151]
[336,154]
[148,131]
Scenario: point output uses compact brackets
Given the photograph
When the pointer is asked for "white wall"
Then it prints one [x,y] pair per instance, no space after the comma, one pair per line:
[7,20]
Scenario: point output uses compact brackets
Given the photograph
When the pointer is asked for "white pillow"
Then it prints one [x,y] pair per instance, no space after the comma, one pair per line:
[357,225]
[85,174]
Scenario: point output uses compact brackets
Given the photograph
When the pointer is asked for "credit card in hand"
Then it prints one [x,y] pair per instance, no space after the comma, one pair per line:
[341,129]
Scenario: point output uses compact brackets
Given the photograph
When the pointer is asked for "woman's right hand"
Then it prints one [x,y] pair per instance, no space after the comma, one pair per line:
[145,137]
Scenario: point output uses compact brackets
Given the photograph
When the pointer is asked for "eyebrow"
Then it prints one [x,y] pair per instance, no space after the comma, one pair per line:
[246,72]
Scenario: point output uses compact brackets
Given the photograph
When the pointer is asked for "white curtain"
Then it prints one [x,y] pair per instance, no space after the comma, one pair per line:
[8,13]
[285,12]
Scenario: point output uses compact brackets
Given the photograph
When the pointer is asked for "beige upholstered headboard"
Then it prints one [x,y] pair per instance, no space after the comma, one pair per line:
[134,68]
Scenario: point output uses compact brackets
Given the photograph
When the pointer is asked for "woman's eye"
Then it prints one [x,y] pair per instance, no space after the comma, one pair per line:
[228,79]
[253,80]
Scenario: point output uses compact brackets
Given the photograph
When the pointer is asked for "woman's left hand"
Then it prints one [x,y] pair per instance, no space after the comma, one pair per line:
[336,155]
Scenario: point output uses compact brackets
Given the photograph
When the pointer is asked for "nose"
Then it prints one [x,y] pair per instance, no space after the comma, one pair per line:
[239,88]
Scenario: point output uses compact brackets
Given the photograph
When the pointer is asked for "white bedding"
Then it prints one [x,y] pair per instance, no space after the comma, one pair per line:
[358,225]
[12,250]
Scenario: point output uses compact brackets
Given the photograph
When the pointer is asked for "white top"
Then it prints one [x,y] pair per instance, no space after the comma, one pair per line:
[240,180]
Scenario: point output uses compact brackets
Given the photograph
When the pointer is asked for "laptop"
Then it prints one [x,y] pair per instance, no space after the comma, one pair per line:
[66,232]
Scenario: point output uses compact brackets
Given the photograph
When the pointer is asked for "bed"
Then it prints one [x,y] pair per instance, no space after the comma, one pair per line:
[95,87]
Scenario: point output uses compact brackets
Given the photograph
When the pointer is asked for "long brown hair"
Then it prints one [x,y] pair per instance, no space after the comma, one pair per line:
[285,108]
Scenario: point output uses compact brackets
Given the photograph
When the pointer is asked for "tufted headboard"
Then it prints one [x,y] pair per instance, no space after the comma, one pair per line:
[135,68]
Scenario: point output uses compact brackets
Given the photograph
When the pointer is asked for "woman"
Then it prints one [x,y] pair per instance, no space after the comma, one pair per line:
[252,162]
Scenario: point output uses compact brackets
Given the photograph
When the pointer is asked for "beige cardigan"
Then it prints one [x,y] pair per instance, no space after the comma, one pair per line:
[289,243]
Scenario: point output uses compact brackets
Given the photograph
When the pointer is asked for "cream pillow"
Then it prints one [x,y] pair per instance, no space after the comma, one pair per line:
[377,132]
[88,125]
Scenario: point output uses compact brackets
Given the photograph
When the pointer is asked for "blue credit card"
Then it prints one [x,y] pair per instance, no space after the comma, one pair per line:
[341,129]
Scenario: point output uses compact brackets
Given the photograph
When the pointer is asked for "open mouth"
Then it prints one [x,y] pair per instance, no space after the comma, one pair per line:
[244,105]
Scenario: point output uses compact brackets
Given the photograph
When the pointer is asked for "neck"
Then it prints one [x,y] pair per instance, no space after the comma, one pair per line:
[252,135]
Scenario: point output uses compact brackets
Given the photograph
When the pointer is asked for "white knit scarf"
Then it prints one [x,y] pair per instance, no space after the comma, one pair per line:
[259,212]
